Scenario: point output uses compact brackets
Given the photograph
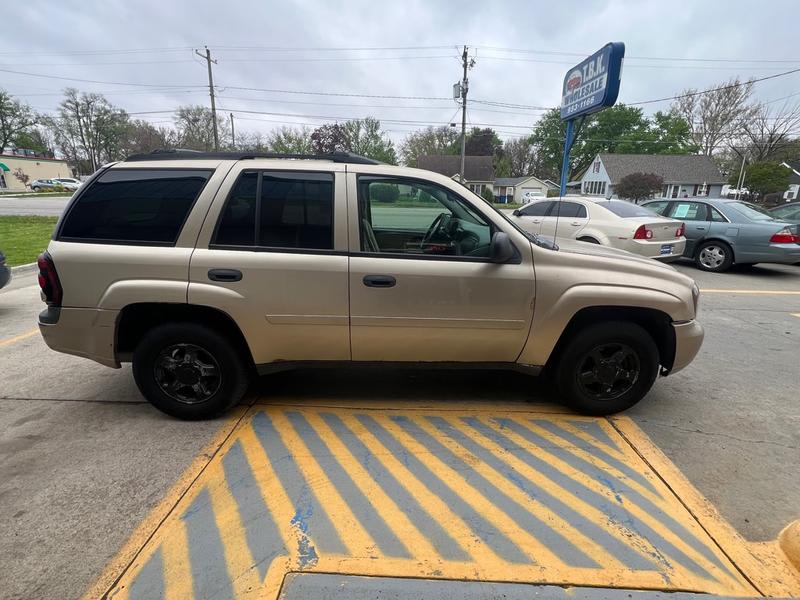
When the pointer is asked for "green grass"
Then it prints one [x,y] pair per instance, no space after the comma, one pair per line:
[23,238]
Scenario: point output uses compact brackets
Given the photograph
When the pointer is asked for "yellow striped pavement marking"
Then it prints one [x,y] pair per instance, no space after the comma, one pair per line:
[477,474]
[641,514]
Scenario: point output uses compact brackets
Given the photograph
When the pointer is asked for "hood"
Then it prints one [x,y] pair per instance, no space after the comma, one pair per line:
[588,249]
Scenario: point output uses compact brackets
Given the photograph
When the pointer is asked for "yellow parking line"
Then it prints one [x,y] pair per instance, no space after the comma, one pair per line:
[395,518]
[638,512]
[344,521]
[177,565]
[239,559]
[754,292]
[18,338]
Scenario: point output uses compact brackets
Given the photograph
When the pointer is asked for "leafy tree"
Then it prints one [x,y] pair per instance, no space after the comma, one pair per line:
[638,186]
[430,141]
[33,139]
[364,137]
[763,178]
[195,128]
[717,115]
[15,119]
[89,131]
[482,142]
[331,137]
[290,140]
[618,129]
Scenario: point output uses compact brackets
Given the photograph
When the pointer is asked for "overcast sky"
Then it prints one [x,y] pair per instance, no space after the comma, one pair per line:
[404,48]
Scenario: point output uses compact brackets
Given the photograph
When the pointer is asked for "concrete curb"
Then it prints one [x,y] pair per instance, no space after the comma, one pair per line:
[789,541]
[23,269]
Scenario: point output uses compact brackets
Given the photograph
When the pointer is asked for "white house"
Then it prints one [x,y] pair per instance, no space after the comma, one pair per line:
[685,176]
[520,190]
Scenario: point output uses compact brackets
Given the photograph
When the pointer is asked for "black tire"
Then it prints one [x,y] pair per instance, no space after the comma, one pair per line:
[200,388]
[714,257]
[605,340]
[35,188]
[588,240]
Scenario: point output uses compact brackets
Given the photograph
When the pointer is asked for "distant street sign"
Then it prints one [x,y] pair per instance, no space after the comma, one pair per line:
[593,84]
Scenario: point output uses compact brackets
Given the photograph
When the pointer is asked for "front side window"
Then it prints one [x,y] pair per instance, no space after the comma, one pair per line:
[399,216]
[536,209]
[270,209]
[135,205]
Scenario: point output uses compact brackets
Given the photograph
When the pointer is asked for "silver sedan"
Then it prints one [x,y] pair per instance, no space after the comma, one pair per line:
[720,233]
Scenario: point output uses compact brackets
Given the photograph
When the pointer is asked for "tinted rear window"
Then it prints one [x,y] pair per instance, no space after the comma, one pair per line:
[135,205]
[626,209]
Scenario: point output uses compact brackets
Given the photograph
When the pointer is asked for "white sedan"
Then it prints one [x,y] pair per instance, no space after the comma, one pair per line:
[614,223]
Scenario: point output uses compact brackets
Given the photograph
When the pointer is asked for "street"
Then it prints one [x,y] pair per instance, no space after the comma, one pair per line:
[83,459]
[45,206]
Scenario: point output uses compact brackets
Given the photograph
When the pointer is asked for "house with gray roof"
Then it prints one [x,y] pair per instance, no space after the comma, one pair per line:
[685,176]
[519,189]
[478,170]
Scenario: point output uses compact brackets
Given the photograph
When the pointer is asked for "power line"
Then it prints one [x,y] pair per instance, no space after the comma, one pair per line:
[717,89]
[338,94]
[43,76]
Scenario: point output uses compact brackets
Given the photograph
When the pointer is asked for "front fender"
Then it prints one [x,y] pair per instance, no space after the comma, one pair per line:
[552,315]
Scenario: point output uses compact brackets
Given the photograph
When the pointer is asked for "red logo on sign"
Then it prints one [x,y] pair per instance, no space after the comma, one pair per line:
[574,81]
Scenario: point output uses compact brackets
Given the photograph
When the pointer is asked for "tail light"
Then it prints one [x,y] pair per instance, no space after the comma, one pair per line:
[681,231]
[787,235]
[48,280]
[643,233]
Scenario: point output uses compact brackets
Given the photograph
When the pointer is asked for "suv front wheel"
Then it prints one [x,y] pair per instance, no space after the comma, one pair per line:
[607,368]
[189,371]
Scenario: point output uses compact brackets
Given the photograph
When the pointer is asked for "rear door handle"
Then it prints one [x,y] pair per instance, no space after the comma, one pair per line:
[700,228]
[379,281]
[576,223]
[227,275]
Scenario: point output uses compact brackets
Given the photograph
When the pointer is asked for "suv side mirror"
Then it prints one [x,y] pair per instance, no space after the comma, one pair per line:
[501,250]
[516,212]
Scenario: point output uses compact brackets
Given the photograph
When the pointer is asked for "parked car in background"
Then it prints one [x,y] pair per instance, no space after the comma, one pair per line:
[5,270]
[786,212]
[720,233]
[68,182]
[613,223]
[44,185]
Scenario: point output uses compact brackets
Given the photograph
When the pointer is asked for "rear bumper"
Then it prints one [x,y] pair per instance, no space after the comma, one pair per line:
[688,339]
[84,332]
[652,248]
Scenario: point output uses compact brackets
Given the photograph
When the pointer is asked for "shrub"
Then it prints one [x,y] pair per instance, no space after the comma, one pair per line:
[639,186]
[487,194]
[383,192]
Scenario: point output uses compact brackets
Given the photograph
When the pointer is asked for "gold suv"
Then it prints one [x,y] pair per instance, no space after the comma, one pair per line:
[205,269]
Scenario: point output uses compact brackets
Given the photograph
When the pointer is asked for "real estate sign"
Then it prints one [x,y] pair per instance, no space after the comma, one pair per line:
[593,84]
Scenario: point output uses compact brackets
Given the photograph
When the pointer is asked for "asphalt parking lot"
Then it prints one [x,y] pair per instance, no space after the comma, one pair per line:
[84,461]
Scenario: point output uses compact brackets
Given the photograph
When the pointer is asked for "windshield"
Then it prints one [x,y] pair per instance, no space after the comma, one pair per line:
[626,209]
[751,211]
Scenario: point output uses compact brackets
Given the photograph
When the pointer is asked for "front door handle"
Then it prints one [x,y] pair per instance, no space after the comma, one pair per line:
[379,281]
[226,275]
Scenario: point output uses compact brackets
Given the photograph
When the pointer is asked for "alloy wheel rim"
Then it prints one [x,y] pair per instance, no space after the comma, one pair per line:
[712,257]
[608,371]
[187,373]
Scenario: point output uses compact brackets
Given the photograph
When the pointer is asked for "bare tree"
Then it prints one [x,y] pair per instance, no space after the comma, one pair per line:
[716,114]
[521,156]
[195,125]
[769,131]
[15,118]
[88,130]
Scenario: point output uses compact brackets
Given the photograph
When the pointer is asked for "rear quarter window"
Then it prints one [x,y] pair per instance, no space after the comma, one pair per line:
[138,206]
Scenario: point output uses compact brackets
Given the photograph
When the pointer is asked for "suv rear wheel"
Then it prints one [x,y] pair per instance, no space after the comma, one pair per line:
[607,368]
[189,371]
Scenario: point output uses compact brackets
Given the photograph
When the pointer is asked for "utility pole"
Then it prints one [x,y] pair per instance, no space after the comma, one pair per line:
[209,60]
[233,134]
[467,64]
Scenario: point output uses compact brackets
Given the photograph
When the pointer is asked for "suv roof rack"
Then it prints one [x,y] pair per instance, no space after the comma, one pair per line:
[180,154]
